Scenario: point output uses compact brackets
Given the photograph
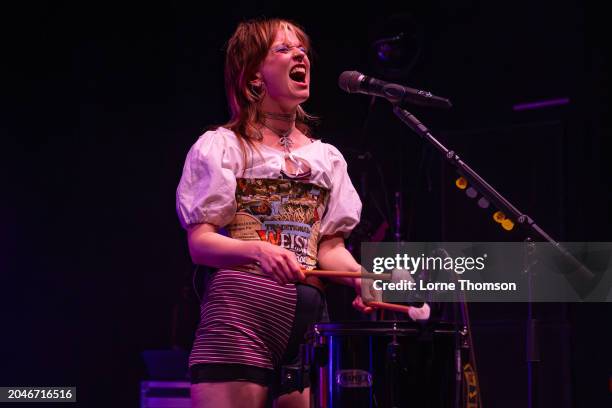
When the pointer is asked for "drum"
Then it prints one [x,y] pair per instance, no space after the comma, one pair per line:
[382,364]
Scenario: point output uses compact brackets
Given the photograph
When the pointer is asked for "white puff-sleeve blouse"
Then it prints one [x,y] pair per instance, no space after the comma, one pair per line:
[207,189]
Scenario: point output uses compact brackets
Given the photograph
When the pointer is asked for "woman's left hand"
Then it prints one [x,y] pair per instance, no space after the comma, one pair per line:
[358,302]
[360,306]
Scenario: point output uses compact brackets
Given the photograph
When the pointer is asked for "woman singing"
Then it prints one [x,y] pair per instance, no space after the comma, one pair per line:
[286,203]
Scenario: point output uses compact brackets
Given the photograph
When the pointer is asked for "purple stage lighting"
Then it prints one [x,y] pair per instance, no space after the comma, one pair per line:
[540,104]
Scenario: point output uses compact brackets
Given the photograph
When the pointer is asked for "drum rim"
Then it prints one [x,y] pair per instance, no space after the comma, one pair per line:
[387,327]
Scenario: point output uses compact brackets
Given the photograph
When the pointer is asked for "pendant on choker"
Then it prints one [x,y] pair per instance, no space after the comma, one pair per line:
[285,142]
[284,138]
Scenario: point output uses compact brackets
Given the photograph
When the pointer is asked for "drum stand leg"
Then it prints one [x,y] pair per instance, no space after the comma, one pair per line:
[458,365]
[318,360]
[392,368]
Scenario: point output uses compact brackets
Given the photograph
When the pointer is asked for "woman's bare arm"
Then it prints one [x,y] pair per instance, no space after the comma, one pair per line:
[333,255]
[208,247]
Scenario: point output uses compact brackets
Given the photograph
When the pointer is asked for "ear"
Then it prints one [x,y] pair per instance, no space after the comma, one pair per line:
[257,81]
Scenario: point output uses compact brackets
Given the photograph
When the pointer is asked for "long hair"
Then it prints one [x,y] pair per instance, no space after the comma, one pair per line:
[246,50]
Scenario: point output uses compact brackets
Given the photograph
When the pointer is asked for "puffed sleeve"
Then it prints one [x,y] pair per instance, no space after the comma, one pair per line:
[344,206]
[206,192]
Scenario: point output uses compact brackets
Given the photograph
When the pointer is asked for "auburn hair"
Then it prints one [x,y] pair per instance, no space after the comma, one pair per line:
[245,52]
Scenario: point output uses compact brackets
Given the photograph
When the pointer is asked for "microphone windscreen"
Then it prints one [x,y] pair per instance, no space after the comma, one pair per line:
[349,81]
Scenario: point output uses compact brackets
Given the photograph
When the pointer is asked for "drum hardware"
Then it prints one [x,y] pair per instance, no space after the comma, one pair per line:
[382,364]
[392,368]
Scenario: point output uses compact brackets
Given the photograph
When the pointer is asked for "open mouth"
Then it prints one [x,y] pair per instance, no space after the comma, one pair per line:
[298,74]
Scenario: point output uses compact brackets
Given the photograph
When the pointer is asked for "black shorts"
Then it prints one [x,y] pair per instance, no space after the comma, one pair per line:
[310,308]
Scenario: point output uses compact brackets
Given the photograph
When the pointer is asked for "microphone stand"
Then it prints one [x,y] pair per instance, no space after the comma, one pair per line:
[532,230]
[457,355]
[462,342]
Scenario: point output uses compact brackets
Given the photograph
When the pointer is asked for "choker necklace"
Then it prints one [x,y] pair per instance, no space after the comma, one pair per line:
[283,137]
[285,117]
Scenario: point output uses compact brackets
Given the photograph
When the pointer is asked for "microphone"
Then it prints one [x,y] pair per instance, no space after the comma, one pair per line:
[353,81]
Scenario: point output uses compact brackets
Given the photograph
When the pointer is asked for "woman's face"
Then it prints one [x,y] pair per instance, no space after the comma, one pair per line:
[285,72]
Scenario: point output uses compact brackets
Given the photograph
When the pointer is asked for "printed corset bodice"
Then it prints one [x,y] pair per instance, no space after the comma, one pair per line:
[283,212]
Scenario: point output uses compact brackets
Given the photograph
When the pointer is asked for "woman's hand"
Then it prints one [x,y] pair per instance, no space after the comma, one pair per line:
[360,306]
[358,302]
[280,263]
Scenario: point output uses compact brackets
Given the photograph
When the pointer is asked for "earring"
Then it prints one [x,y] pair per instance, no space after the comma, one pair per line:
[258,90]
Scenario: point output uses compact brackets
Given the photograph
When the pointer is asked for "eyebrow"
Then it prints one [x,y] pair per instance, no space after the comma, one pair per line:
[286,44]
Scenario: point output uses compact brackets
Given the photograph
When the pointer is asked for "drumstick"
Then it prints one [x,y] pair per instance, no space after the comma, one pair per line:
[345,274]
[389,306]
[349,274]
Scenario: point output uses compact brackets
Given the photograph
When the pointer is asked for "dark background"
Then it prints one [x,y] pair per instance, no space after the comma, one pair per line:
[100,103]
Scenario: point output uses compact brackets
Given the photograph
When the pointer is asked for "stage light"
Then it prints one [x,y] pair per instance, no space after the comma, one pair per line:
[461,183]
[499,216]
[507,224]
[471,192]
[483,203]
